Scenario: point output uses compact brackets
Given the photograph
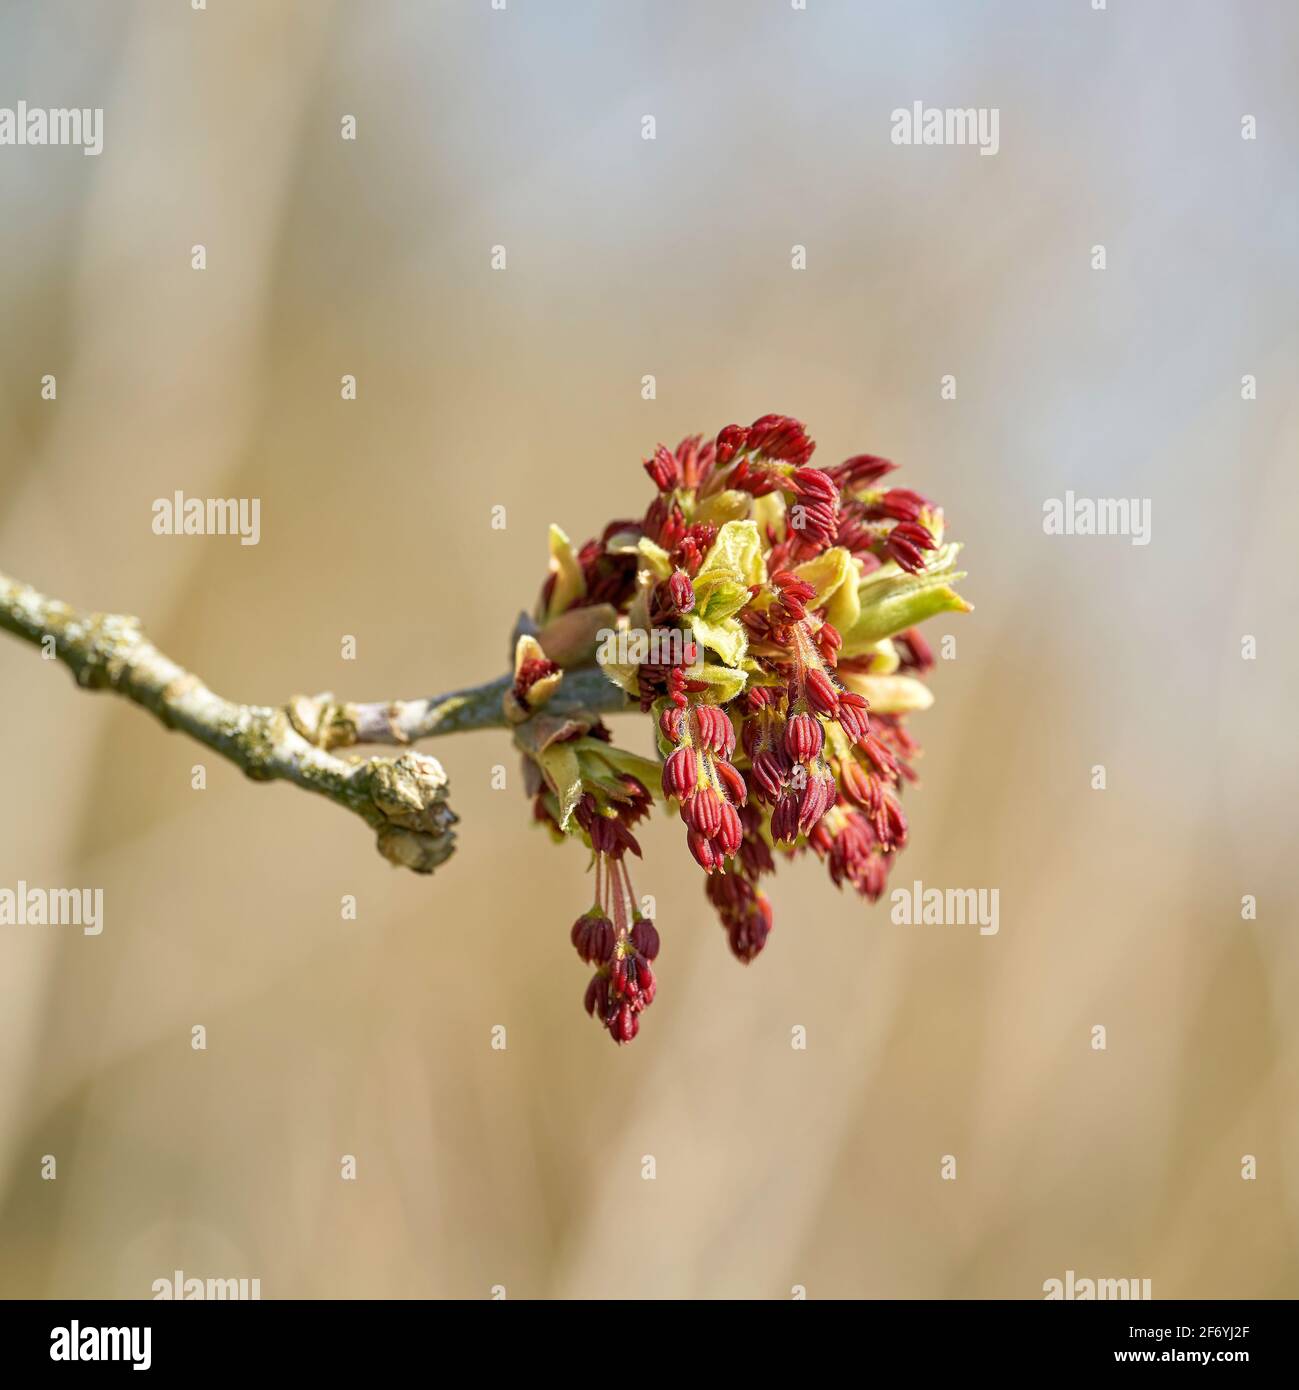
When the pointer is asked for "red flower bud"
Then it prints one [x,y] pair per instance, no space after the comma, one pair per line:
[664,470]
[729,442]
[682,591]
[623,1023]
[593,937]
[803,784]
[645,938]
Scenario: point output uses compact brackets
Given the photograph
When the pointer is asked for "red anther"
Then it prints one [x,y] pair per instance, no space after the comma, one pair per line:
[791,587]
[818,797]
[732,782]
[671,722]
[780,437]
[703,811]
[716,730]
[880,756]
[769,772]
[804,738]
[745,913]
[899,503]
[893,830]
[707,717]
[784,819]
[680,773]
[916,652]
[852,716]
[861,470]
[750,735]
[815,483]
[905,542]
[623,840]
[731,832]
[755,857]
[814,517]
[821,694]
[789,609]
[903,553]
[597,994]
[855,782]
[701,846]
[820,837]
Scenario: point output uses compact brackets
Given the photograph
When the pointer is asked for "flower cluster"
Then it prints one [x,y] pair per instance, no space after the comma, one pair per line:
[763,611]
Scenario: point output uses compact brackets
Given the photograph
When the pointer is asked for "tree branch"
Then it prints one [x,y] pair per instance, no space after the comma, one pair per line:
[403,799]
[336,725]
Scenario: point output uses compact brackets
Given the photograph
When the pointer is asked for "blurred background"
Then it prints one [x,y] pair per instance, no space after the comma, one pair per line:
[522,388]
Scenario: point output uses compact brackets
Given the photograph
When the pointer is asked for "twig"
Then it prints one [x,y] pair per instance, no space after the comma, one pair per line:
[404,799]
[330,724]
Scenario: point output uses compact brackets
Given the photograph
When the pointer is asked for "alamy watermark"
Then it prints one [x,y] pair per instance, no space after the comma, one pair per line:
[946,907]
[192,1289]
[1097,516]
[179,515]
[919,124]
[39,125]
[1071,1287]
[52,907]
[77,1343]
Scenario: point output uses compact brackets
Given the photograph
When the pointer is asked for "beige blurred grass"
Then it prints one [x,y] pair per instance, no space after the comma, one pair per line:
[775,1167]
